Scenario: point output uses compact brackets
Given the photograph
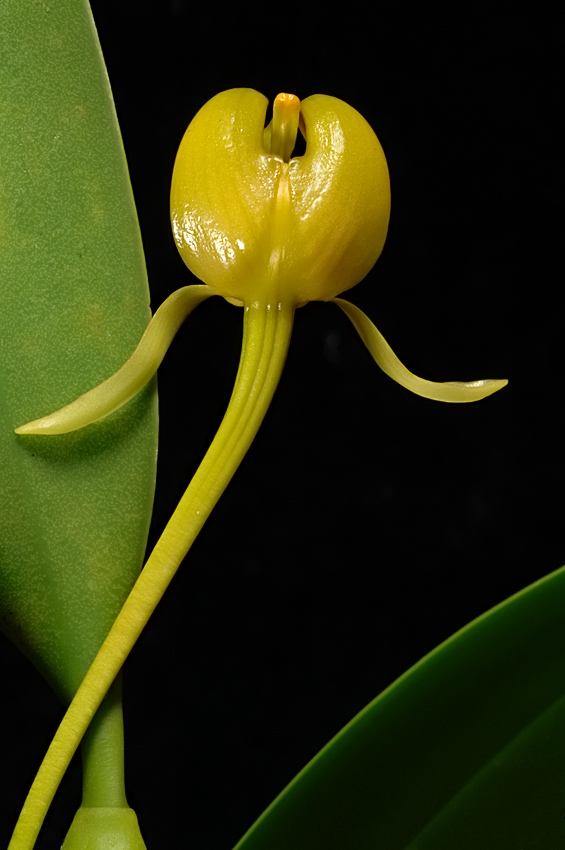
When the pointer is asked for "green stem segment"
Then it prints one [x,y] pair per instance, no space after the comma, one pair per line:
[104,818]
[267,330]
[102,752]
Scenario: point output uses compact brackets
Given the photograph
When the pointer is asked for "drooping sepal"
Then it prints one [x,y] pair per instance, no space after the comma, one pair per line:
[136,372]
[384,356]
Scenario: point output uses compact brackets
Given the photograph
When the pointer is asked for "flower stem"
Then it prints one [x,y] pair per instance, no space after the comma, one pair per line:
[104,818]
[267,330]
[102,752]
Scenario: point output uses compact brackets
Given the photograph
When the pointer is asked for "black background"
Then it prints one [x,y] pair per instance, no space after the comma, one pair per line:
[366,524]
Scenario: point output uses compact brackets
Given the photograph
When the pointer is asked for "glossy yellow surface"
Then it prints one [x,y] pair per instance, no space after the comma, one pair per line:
[255,227]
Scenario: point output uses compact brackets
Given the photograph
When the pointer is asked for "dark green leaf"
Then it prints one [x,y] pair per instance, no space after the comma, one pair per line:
[464,751]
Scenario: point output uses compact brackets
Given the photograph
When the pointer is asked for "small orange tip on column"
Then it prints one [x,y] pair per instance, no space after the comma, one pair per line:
[287,102]
[284,128]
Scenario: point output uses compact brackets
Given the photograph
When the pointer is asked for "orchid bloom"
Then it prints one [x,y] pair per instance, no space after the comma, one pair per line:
[268,232]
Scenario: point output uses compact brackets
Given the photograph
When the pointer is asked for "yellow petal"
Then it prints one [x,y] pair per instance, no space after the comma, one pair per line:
[136,372]
[453,391]
[256,227]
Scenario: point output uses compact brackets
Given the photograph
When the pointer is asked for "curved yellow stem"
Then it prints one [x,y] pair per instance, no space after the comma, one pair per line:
[267,330]
[136,372]
[384,356]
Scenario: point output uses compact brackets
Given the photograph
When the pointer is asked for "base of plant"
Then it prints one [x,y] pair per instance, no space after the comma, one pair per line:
[101,828]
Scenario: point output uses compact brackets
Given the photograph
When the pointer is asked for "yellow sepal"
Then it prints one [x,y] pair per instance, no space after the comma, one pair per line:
[136,372]
[384,356]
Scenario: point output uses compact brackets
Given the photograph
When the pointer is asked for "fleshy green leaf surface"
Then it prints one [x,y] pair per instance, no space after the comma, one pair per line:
[466,750]
[74,509]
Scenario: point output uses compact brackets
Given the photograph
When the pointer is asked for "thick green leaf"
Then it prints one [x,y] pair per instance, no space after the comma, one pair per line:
[75,509]
[466,750]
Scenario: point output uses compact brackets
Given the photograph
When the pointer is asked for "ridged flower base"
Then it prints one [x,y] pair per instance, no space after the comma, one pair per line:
[104,829]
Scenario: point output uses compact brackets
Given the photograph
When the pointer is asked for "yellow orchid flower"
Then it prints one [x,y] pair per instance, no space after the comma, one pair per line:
[268,232]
